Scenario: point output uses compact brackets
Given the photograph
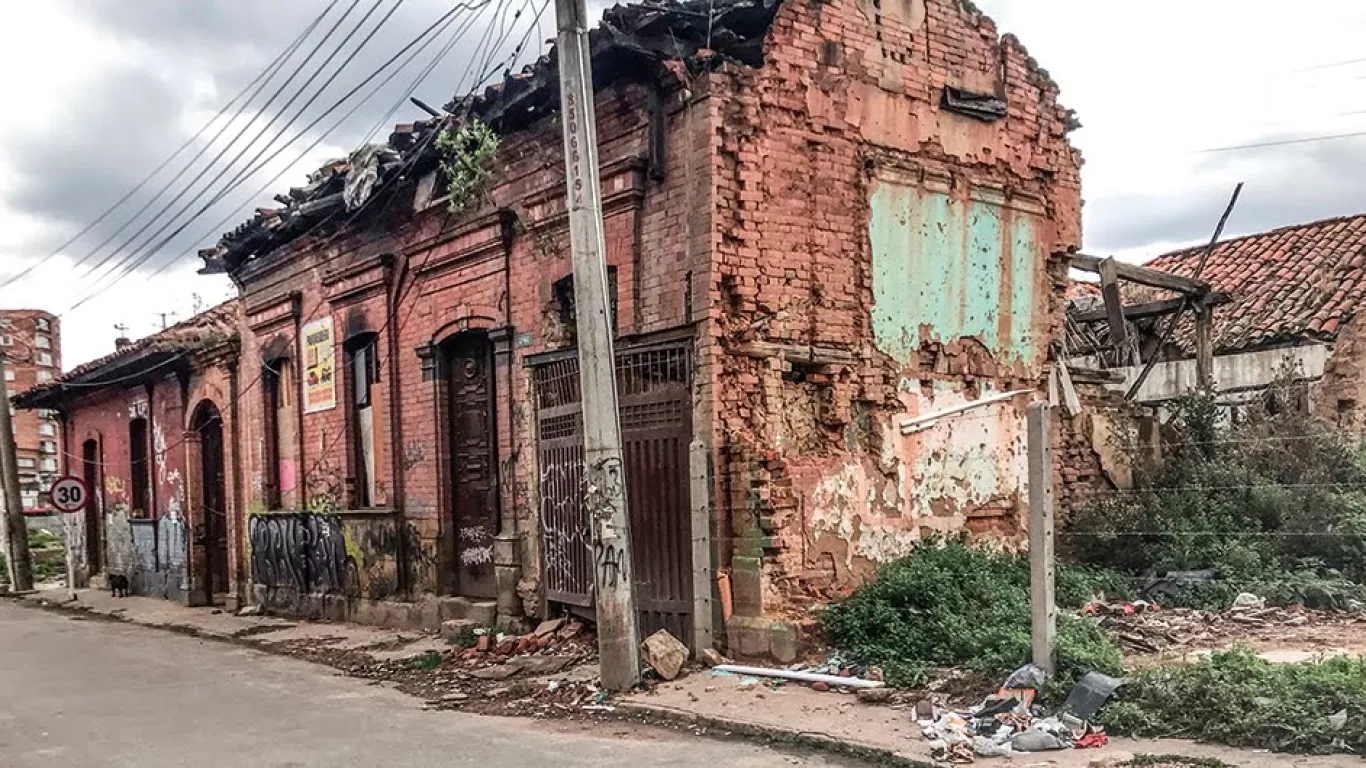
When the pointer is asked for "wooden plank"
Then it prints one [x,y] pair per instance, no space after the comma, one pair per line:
[1143,276]
[1114,307]
[1149,309]
[1204,347]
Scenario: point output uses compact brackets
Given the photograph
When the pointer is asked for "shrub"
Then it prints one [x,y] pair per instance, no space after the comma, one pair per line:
[1276,505]
[1238,699]
[949,603]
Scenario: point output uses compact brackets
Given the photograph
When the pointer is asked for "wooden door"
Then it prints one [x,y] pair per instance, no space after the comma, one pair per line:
[474,472]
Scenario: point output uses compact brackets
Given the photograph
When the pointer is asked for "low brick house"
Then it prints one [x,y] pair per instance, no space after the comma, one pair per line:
[831,230]
[150,430]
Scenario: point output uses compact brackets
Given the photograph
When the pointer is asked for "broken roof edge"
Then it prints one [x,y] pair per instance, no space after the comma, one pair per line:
[210,329]
[1179,255]
[636,41]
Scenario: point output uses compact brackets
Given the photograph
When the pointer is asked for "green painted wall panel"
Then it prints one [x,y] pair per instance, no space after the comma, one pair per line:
[942,262]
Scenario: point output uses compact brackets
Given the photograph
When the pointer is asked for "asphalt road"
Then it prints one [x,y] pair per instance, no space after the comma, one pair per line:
[92,694]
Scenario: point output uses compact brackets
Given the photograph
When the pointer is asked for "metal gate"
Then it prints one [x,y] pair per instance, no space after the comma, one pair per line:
[654,388]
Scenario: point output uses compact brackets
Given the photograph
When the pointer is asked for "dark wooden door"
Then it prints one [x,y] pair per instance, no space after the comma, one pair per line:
[474,473]
[94,514]
[214,504]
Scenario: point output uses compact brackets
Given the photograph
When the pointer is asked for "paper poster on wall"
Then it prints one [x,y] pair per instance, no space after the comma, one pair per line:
[320,369]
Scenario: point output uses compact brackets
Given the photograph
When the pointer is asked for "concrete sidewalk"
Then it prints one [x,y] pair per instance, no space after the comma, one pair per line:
[832,717]
[790,712]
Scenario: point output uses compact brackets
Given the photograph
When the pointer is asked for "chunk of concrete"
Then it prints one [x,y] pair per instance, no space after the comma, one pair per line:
[665,654]
[457,631]
[548,627]
[712,657]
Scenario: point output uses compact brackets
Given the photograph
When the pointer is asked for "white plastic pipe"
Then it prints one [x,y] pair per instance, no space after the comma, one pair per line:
[834,681]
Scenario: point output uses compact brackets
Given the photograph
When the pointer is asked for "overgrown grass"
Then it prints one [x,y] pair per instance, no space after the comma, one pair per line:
[949,603]
[1275,505]
[1238,699]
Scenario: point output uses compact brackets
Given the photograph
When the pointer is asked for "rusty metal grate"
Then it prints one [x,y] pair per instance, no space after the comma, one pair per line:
[654,387]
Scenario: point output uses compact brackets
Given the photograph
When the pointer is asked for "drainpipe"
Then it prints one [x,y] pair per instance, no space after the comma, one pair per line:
[239,511]
[300,474]
[397,500]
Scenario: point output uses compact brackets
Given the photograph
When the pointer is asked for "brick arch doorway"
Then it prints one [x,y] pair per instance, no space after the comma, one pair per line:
[471,432]
[212,503]
[91,466]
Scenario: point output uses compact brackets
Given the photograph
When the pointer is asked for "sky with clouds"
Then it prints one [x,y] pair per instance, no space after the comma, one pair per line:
[99,92]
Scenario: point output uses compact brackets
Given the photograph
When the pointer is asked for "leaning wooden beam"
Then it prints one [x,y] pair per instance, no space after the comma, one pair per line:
[1143,276]
[1171,324]
[1114,306]
[1149,309]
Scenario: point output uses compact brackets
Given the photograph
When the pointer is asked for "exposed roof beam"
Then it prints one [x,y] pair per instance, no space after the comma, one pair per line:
[1143,275]
[1148,309]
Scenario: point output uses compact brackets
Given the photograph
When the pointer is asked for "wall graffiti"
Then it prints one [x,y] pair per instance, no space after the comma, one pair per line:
[303,553]
[414,453]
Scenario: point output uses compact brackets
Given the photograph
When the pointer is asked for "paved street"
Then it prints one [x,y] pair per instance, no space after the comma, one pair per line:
[91,693]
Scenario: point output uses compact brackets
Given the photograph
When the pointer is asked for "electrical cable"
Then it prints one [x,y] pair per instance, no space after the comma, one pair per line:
[139,249]
[257,83]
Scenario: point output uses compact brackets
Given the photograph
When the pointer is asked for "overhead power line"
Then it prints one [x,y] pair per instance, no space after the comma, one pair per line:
[300,134]
[254,87]
[1284,142]
[288,81]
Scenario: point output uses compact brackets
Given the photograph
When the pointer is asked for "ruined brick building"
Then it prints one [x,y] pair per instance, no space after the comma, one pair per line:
[149,429]
[831,229]
[31,341]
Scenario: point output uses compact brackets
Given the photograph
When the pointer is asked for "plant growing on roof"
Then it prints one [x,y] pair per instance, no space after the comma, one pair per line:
[466,161]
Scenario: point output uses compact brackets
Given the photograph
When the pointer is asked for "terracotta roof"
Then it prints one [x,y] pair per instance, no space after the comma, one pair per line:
[1079,289]
[203,331]
[1295,283]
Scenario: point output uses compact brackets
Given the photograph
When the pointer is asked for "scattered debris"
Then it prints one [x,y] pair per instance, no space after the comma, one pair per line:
[665,654]
[874,695]
[548,627]
[1089,695]
[1247,600]
[836,681]
[712,657]
[251,610]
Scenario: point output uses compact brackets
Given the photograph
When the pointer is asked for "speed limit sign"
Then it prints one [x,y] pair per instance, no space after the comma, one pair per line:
[69,494]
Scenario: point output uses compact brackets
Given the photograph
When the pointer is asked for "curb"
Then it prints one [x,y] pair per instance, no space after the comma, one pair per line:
[771,734]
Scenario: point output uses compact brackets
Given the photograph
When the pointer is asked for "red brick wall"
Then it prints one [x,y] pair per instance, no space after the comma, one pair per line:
[816,483]
[492,269]
[168,401]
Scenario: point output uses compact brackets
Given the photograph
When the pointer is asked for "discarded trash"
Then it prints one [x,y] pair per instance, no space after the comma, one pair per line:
[1089,695]
[985,747]
[1029,676]
[1248,601]
[804,677]
[1092,740]
[1043,736]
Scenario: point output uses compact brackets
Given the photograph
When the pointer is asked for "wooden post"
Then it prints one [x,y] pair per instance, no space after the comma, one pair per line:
[1204,347]
[1043,611]
[604,475]
[1114,308]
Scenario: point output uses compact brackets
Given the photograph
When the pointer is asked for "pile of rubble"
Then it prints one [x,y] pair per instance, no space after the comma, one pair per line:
[1145,628]
[1009,722]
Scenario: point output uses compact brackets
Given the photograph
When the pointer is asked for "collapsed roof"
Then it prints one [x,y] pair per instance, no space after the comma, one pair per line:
[633,42]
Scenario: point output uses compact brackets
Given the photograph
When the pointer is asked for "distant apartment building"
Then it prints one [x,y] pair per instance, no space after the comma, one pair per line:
[31,343]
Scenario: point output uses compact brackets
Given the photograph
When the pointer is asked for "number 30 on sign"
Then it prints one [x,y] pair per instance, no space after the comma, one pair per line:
[69,494]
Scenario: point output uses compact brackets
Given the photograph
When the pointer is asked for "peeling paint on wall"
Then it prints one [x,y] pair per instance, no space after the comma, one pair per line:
[952,265]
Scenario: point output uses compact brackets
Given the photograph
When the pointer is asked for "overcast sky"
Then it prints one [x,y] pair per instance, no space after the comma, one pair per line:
[98,92]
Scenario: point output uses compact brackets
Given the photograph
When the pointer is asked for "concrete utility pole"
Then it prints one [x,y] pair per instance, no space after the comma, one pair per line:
[604,474]
[16,532]
[1043,610]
